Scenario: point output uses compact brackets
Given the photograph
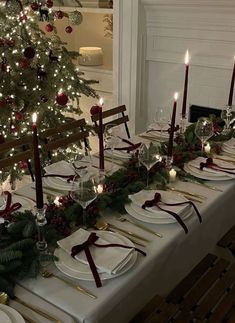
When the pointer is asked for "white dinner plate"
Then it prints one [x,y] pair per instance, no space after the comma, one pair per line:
[13,315]
[26,203]
[139,198]
[203,174]
[134,212]
[4,318]
[57,183]
[119,154]
[78,270]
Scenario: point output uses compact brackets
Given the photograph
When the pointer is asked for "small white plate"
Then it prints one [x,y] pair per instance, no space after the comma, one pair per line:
[26,203]
[80,271]
[203,174]
[13,315]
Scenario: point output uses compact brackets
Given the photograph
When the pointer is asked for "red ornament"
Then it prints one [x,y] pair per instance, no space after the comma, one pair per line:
[29,52]
[59,14]
[49,28]
[2,103]
[34,6]
[95,109]
[68,29]
[49,3]
[23,164]
[62,99]
[24,63]
[23,17]
[18,116]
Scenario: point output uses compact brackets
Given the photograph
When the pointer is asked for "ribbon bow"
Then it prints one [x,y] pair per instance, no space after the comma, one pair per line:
[210,164]
[176,128]
[91,241]
[157,200]
[9,208]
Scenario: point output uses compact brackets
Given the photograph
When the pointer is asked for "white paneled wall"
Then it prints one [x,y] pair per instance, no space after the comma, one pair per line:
[169,27]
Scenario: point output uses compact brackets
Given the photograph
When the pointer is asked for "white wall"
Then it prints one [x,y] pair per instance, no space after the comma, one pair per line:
[168,28]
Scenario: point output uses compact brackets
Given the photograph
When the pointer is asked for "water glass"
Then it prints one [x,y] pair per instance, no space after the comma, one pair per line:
[204,130]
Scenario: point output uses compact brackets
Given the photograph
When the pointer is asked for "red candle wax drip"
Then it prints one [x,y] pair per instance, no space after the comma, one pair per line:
[37,169]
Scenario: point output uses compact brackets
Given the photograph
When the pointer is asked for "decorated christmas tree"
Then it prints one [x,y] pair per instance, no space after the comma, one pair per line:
[37,73]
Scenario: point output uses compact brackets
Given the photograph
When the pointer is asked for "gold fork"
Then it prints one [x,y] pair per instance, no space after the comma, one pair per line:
[47,274]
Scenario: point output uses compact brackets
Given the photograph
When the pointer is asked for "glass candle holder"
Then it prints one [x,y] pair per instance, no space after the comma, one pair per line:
[41,222]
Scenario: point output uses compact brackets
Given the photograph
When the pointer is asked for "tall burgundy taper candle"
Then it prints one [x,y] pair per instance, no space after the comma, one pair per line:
[101,140]
[172,129]
[37,166]
[230,99]
[184,103]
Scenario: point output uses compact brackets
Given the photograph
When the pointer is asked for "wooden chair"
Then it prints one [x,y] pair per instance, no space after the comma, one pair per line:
[206,294]
[228,240]
[64,135]
[123,119]
[22,151]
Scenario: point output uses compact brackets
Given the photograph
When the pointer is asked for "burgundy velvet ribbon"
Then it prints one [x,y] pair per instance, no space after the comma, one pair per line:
[9,208]
[157,200]
[127,148]
[91,241]
[210,164]
[69,177]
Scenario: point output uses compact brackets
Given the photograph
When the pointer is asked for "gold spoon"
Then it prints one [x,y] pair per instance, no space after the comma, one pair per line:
[4,299]
[104,226]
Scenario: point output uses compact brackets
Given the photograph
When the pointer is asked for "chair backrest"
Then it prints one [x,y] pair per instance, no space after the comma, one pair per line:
[65,134]
[22,151]
[121,118]
[196,111]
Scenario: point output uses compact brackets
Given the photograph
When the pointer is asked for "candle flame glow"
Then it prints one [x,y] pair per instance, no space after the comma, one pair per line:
[176,95]
[101,101]
[34,117]
[186,59]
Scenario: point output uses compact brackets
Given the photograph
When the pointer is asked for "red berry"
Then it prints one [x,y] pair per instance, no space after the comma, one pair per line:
[49,28]
[34,6]
[18,116]
[68,29]
[24,63]
[49,3]
[59,14]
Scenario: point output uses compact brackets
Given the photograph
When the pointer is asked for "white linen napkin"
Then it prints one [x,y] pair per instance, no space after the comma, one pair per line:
[110,260]
[230,144]
[167,197]
[60,168]
[196,163]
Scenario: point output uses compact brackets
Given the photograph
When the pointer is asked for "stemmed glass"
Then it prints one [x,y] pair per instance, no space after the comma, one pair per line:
[84,191]
[161,119]
[148,156]
[227,114]
[204,130]
[110,139]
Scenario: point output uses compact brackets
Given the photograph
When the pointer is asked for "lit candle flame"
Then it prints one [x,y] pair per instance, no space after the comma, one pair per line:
[34,117]
[101,101]
[100,189]
[186,59]
[57,201]
[176,95]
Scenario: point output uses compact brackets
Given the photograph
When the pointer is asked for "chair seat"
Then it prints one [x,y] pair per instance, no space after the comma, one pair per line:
[206,294]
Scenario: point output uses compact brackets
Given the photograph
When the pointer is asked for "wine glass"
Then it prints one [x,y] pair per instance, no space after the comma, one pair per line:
[161,119]
[204,130]
[111,140]
[84,191]
[227,115]
[149,155]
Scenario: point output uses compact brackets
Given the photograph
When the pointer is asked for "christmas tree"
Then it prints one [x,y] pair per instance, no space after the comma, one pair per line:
[37,73]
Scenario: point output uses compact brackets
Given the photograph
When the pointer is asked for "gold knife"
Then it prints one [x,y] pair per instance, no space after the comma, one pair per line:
[187,193]
[128,232]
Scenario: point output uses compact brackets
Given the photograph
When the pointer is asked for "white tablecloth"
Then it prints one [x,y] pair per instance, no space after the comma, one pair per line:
[167,261]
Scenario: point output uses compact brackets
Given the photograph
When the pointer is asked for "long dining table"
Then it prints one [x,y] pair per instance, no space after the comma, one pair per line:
[167,261]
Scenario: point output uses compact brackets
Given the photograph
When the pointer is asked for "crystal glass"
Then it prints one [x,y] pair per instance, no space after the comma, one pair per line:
[161,120]
[41,222]
[204,130]
[149,155]
[82,162]
[228,116]
[111,140]
[84,191]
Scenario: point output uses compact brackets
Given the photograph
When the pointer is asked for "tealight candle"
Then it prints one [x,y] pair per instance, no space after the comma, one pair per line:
[57,201]
[100,189]
[207,148]
[172,174]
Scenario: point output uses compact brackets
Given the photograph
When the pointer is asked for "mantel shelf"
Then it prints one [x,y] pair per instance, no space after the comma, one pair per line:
[83,9]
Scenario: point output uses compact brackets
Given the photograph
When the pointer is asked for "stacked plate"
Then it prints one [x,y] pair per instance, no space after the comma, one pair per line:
[154,214]
[193,168]
[26,204]
[10,315]
[111,262]
[229,147]
[155,132]
[118,154]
